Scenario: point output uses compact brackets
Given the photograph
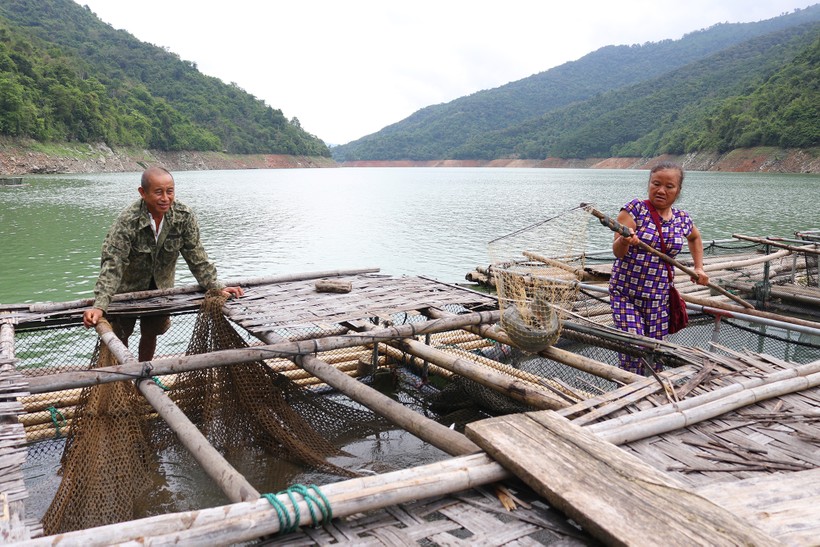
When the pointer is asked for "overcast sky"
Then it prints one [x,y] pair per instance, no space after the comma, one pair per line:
[348,68]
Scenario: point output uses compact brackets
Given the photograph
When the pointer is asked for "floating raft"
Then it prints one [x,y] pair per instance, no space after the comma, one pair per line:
[689,456]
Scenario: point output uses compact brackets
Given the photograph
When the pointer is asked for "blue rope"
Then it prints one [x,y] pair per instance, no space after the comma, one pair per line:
[286,524]
[57,419]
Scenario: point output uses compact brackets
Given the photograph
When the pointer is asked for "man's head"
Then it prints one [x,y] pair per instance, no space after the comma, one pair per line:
[157,190]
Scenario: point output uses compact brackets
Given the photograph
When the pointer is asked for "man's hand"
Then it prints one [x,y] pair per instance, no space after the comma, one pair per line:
[233,291]
[91,317]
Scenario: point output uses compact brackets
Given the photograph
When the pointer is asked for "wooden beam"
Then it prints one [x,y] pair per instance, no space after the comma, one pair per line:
[609,492]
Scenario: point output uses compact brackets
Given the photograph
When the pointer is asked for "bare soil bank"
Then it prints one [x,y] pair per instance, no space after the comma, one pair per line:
[19,157]
[776,160]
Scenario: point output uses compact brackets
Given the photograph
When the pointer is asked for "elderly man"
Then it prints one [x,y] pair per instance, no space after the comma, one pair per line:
[140,252]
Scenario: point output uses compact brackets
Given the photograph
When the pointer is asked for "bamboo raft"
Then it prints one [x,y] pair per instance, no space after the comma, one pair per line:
[724,441]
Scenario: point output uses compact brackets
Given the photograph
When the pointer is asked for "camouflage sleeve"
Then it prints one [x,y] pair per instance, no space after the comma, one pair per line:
[197,259]
[113,262]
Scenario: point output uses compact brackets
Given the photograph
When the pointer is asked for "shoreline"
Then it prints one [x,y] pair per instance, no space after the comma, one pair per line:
[762,159]
[26,157]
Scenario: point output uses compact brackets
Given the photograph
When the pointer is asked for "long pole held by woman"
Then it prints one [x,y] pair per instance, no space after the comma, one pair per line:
[640,283]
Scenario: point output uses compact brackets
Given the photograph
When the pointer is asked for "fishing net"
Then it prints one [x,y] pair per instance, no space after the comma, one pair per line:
[110,462]
[537,270]
[251,405]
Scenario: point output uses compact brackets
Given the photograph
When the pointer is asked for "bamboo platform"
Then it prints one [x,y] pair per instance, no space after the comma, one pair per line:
[707,437]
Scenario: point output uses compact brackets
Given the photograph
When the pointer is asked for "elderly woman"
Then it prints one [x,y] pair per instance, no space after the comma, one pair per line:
[640,282]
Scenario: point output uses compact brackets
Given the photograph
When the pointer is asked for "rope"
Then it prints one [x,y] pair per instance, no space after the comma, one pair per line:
[288,524]
[57,419]
[160,384]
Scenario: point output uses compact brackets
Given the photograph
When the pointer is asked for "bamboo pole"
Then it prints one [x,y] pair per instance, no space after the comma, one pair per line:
[399,355]
[174,365]
[718,306]
[743,263]
[248,521]
[6,340]
[674,412]
[579,362]
[235,486]
[684,418]
[811,249]
[522,391]
[616,227]
[577,272]
[190,289]
[779,292]
[229,480]
[440,436]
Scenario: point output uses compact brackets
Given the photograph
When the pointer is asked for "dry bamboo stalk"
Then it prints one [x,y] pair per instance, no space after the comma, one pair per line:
[300,374]
[248,521]
[6,340]
[743,263]
[528,393]
[712,303]
[535,380]
[189,289]
[38,403]
[577,272]
[399,355]
[683,418]
[174,365]
[231,482]
[711,396]
[811,249]
[36,434]
[585,364]
[44,417]
[444,438]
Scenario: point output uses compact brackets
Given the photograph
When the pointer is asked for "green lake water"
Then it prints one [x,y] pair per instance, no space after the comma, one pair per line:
[435,222]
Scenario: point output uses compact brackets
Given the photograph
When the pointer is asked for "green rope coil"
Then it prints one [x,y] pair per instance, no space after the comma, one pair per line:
[318,501]
[159,383]
[57,419]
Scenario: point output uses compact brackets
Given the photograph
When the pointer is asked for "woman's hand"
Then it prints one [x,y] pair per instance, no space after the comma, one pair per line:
[702,278]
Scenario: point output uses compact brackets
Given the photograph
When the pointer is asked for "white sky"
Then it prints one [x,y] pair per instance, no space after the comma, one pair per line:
[348,68]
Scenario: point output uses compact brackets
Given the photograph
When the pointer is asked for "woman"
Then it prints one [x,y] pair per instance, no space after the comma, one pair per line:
[640,282]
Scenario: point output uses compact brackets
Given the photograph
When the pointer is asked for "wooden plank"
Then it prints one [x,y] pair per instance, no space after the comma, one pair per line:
[611,493]
[785,505]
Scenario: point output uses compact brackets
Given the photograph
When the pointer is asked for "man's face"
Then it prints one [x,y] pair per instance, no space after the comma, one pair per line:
[159,195]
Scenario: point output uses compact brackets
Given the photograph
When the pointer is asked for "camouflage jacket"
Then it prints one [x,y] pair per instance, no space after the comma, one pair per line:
[131,256]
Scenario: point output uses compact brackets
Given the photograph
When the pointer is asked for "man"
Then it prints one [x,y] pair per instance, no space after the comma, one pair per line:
[140,252]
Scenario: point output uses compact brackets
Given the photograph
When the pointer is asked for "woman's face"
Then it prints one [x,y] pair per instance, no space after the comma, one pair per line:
[664,187]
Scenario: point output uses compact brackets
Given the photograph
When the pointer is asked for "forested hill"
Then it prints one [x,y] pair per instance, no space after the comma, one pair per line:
[729,86]
[65,75]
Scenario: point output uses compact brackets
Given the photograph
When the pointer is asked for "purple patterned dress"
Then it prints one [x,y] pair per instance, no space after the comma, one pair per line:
[639,286]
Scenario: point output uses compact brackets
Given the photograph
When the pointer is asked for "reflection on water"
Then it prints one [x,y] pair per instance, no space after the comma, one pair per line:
[435,222]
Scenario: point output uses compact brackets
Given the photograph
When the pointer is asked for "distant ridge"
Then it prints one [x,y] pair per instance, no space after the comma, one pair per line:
[553,113]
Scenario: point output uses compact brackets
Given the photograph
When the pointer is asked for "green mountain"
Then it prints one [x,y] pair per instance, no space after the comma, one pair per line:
[65,75]
[612,101]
